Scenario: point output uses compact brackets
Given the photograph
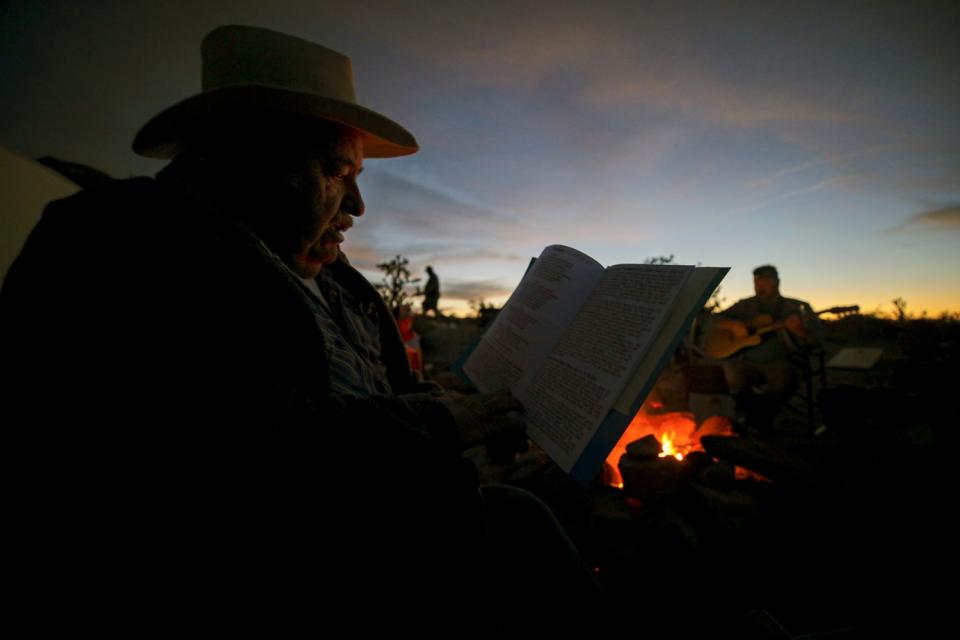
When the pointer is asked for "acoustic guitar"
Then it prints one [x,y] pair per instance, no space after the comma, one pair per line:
[723,343]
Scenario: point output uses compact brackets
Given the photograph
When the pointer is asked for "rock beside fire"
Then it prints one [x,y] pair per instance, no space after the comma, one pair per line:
[720,475]
[727,503]
[651,478]
[645,447]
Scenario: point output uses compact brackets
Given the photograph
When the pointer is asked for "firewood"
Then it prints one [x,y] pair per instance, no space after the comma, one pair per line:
[765,457]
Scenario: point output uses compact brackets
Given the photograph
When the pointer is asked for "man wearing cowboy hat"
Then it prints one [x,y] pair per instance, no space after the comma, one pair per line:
[210,408]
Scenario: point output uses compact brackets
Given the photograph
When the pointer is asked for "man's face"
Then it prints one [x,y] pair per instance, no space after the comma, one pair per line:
[328,197]
[766,287]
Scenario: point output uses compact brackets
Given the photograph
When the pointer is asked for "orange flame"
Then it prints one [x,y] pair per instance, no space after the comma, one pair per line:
[667,439]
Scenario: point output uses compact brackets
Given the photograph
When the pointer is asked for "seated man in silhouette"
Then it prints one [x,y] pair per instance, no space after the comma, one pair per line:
[765,376]
[213,413]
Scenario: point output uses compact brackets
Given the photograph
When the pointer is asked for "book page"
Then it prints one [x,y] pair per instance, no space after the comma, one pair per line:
[532,320]
[694,294]
[584,373]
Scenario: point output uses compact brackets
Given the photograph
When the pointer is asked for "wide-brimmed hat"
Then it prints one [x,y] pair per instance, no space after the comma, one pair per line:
[252,67]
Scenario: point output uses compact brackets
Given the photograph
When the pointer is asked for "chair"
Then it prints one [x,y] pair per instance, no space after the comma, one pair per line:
[811,365]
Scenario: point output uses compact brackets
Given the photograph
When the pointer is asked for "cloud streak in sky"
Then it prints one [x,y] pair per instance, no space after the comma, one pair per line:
[946,219]
[717,99]
[834,159]
[836,181]
[605,69]
[433,211]
[429,223]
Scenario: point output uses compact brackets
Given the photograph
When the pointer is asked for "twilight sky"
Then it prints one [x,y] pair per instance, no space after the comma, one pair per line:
[821,137]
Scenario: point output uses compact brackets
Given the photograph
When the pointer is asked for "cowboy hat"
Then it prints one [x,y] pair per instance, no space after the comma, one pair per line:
[272,71]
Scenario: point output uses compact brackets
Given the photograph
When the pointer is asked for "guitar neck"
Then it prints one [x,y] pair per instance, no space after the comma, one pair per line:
[776,325]
[767,328]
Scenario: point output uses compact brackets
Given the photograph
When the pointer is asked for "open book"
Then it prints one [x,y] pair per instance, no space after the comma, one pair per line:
[581,346]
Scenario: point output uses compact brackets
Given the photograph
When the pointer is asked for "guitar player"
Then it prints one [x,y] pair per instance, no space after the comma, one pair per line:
[763,377]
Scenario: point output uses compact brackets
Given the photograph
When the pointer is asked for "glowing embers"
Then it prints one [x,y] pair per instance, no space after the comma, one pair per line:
[659,436]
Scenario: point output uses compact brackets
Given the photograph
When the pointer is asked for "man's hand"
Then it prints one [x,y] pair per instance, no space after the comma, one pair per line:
[481,417]
[795,326]
[451,381]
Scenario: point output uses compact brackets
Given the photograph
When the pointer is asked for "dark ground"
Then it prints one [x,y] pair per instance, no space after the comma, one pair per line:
[855,537]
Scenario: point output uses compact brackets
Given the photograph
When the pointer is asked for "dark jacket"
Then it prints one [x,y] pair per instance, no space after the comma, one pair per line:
[165,398]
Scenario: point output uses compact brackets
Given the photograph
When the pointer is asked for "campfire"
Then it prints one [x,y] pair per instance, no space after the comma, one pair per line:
[676,432]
